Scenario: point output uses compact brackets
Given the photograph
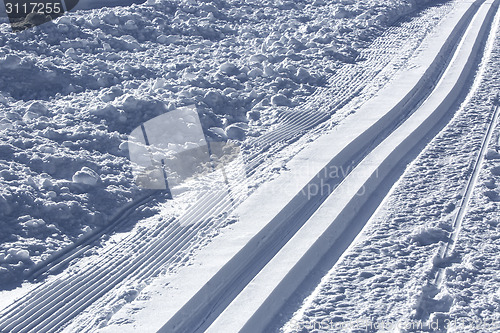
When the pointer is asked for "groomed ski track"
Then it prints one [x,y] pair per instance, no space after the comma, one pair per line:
[247,293]
[260,302]
[38,311]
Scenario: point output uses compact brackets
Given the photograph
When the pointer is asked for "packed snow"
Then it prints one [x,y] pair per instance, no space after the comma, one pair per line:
[77,89]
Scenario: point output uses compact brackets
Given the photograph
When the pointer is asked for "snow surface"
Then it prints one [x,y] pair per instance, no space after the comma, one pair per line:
[147,316]
[74,88]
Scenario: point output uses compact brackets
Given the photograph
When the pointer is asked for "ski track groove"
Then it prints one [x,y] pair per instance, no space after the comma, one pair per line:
[447,249]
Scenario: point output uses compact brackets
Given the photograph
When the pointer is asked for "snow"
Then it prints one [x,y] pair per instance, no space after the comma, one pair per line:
[211,261]
[229,69]
[280,100]
[259,303]
[76,89]
[88,72]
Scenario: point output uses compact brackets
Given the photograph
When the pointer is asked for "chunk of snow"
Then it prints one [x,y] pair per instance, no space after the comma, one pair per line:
[429,235]
[129,102]
[213,99]
[31,224]
[38,108]
[492,154]
[236,131]
[86,176]
[255,72]
[229,68]
[111,18]
[303,75]
[269,71]
[257,58]
[218,132]
[130,25]
[159,83]
[16,255]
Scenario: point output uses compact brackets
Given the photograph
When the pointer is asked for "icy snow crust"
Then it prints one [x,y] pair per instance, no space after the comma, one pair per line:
[74,88]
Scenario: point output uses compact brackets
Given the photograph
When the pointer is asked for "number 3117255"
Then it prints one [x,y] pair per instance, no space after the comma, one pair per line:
[33,7]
